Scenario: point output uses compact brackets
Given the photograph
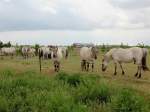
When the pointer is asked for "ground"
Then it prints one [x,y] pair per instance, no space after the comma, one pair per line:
[72,65]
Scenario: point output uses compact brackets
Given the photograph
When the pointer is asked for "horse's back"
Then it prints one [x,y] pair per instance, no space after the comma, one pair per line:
[85,53]
[127,55]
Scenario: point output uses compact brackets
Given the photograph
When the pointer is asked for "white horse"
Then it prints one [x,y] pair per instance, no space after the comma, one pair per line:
[8,51]
[88,55]
[120,55]
[46,52]
[25,51]
[57,54]
[64,51]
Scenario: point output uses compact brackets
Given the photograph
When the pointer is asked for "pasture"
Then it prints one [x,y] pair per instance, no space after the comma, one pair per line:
[18,66]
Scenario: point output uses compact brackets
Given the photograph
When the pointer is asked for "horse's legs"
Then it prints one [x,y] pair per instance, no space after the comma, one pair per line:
[134,60]
[140,69]
[58,66]
[115,73]
[92,66]
[87,66]
[122,69]
[137,72]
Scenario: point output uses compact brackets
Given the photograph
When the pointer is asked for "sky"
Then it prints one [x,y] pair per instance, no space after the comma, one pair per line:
[63,22]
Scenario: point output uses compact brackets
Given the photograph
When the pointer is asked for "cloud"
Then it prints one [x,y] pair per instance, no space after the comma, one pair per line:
[131,4]
[73,14]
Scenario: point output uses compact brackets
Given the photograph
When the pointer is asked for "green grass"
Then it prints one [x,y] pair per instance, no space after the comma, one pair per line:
[24,89]
[32,92]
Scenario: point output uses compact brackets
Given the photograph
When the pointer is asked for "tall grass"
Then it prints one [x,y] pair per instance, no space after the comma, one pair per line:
[32,92]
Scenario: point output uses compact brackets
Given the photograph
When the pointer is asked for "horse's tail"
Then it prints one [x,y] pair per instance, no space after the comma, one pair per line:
[40,55]
[144,64]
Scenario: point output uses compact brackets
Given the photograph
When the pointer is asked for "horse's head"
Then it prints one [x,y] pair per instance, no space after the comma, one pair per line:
[94,52]
[105,62]
[56,66]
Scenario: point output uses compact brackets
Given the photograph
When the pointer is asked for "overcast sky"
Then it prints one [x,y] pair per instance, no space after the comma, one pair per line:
[69,21]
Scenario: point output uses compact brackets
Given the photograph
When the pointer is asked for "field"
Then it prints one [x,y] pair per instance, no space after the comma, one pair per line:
[39,86]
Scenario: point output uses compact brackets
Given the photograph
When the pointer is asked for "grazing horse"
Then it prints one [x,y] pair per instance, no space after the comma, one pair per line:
[57,53]
[25,51]
[65,51]
[87,55]
[8,51]
[120,55]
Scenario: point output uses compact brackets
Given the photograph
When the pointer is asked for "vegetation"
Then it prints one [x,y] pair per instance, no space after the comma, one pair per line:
[32,92]
[5,44]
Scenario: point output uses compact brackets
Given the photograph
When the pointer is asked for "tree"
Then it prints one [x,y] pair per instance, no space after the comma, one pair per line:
[1,44]
[37,46]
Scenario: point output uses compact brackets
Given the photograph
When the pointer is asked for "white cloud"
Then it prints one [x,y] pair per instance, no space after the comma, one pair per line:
[92,19]
[73,14]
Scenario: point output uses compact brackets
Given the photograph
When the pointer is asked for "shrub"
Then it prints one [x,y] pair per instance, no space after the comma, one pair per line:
[128,101]
[98,93]
[73,80]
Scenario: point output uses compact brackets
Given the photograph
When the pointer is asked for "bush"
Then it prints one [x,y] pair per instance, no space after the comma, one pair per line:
[73,80]
[97,93]
[128,101]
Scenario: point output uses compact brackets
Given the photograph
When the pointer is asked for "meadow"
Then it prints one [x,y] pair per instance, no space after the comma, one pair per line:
[24,89]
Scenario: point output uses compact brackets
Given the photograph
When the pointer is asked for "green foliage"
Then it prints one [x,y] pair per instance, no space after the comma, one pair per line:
[32,92]
[93,93]
[128,101]
[72,80]
[1,44]
[37,46]
[3,105]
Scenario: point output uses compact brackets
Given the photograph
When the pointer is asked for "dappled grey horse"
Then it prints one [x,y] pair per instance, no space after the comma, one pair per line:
[88,55]
[57,54]
[120,55]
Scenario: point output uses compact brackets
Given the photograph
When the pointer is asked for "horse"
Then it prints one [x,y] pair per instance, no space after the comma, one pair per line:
[8,51]
[87,55]
[46,52]
[57,54]
[120,55]
[25,51]
[31,52]
[65,51]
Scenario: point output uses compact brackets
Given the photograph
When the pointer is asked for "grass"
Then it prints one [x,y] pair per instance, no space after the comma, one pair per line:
[64,92]
[23,88]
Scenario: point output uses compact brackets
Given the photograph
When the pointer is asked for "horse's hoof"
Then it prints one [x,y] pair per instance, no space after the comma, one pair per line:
[115,73]
[136,74]
[123,73]
[139,76]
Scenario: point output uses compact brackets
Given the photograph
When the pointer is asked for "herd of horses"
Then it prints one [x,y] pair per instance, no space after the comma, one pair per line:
[117,55]
[88,55]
